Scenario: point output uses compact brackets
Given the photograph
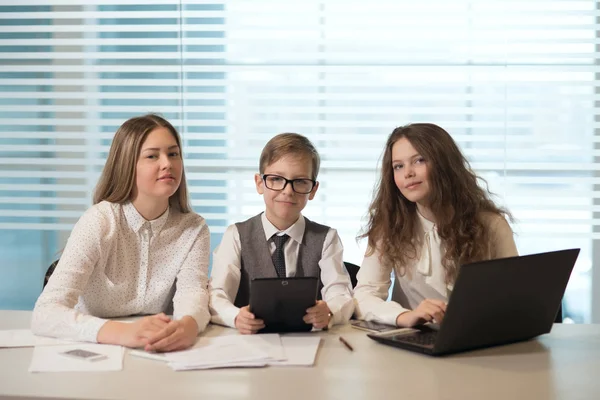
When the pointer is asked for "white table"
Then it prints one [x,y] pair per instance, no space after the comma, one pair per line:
[562,365]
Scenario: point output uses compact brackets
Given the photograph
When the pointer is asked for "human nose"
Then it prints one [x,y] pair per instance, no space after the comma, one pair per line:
[166,162]
[408,171]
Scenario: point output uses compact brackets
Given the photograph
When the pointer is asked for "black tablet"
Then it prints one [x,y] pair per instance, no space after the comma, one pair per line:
[282,302]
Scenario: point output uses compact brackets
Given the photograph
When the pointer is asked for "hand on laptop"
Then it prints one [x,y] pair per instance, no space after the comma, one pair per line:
[246,323]
[318,315]
[429,310]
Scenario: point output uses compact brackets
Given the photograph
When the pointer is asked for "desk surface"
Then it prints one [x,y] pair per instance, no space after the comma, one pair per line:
[564,364]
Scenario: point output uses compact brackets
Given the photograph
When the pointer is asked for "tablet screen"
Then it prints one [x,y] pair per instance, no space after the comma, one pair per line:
[282,302]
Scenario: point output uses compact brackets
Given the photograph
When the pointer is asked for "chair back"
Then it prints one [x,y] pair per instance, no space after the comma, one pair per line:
[49,272]
[559,315]
[352,271]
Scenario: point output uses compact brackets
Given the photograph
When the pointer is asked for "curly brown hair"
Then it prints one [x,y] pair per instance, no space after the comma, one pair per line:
[456,201]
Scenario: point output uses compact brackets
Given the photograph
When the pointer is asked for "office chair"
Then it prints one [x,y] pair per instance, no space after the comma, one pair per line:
[352,271]
[559,314]
[49,272]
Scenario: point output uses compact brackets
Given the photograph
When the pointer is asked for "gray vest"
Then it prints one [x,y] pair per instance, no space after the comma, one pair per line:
[256,257]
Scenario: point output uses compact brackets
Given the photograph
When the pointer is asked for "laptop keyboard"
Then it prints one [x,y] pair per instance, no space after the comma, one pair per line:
[420,338]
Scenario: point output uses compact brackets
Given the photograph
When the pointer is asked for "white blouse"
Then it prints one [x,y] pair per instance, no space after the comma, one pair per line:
[117,264]
[424,278]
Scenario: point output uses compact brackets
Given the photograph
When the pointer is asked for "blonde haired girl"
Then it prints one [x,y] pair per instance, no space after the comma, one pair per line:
[140,250]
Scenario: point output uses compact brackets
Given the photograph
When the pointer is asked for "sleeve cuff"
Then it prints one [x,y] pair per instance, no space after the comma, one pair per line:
[341,313]
[201,318]
[385,312]
[390,315]
[225,316]
[91,328]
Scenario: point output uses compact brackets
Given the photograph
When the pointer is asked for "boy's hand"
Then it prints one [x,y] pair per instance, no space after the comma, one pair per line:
[246,323]
[318,315]
[430,310]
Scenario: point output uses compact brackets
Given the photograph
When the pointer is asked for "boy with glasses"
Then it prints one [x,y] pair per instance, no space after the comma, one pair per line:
[280,242]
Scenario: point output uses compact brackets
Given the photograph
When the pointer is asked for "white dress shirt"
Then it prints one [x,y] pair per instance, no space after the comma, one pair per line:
[423,278]
[117,264]
[226,271]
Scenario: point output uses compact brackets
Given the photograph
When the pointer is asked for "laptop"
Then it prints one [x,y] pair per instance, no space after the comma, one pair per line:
[494,302]
[282,302]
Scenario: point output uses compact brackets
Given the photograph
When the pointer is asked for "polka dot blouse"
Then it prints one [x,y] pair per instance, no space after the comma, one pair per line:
[117,264]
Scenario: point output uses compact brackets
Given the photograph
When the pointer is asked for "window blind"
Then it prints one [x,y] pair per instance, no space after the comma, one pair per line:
[514,82]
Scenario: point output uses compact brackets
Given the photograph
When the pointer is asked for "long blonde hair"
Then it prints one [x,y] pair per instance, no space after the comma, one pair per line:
[456,200]
[118,177]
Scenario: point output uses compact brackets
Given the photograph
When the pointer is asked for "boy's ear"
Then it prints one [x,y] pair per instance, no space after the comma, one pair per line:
[259,183]
[312,193]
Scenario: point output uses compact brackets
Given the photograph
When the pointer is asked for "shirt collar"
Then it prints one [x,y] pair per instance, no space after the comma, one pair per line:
[427,225]
[136,221]
[158,223]
[296,231]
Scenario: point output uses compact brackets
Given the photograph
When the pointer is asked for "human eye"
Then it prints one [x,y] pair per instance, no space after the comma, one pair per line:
[419,160]
[275,178]
[151,156]
[174,154]
[397,167]
[303,184]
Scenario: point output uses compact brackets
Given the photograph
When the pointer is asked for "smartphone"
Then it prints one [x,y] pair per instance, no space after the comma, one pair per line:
[84,355]
[371,326]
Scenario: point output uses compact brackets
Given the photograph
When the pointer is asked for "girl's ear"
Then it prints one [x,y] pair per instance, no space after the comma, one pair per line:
[312,193]
[258,181]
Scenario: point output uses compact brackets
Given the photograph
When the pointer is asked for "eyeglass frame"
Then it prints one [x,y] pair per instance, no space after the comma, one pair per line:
[290,181]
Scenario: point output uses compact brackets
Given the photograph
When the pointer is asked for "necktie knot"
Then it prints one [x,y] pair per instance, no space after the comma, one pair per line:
[280,240]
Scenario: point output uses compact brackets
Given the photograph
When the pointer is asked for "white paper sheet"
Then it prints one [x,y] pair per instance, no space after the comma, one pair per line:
[270,343]
[257,364]
[299,351]
[235,351]
[24,338]
[218,351]
[49,359]
[149,355]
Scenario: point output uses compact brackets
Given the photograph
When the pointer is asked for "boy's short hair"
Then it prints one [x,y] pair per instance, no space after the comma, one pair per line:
[289,144]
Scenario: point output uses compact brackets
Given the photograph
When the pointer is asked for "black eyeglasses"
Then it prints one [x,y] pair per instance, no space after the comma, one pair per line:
[276,182]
